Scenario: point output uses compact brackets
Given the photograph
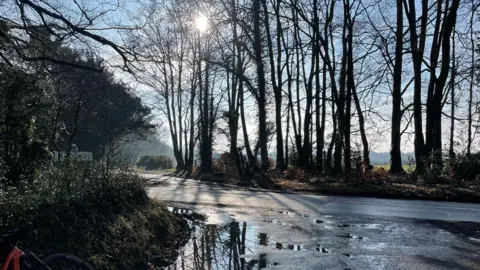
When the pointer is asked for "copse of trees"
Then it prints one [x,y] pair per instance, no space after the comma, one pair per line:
[52,108]
[93,110]
[325,74]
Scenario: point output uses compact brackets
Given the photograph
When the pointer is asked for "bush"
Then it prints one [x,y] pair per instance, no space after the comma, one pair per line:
[377,176]
[78,208]
[226,165]
[465,167]
[155,162]
[295,173]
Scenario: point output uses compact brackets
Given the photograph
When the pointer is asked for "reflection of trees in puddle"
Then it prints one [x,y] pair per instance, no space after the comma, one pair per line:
[214,247]
[224,246]
[263,239]
[179,210]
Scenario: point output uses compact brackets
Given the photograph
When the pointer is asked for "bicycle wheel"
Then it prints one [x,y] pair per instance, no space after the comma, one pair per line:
[63,261]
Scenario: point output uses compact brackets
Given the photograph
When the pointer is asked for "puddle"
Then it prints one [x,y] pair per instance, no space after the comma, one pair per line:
[179,210]
[289,247]
[293,214]
[318,221]
[349,235]
[474,239]
[370,226]
[323,250]
[287,213]
[363,226]
[274,221]
[186,213]
[231,245]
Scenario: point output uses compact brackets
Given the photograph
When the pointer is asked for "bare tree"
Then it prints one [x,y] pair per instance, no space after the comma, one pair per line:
[395,151]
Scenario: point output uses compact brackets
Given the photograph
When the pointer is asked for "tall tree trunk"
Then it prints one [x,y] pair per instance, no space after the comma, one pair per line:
[234,97]
[350,91]
[306,148]
[233,127]
[321,129]
[185,140]
[472,79]
[286,140]
[191,143]
[168,95]
[206,150]
[177,135]
[417,43]
[361,123]
[290,105]
[318,125]
[432,113]
[339,143]
[260,70]
[200,100]
[396,137]
[332,142]
[275,71]
[251,159]
[297,45]
[180,103]
[448,26]
[451,150]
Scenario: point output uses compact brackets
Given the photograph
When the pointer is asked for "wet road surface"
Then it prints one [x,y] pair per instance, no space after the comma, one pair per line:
[263,230]
[195,192]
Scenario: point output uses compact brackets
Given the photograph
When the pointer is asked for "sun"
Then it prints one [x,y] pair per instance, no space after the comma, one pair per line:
[201,23]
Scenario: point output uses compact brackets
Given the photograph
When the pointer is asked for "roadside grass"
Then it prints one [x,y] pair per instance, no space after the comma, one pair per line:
[378,183]
[437,192]
[407,167]
[169,170]
[104,218]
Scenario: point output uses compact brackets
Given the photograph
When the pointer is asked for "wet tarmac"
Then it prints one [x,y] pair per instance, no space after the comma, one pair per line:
[177,190]
[249,238]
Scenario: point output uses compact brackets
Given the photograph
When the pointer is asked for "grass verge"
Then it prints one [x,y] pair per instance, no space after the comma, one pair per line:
[387,190]
[104,218]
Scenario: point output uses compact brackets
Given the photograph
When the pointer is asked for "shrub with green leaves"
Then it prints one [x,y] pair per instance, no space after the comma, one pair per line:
[77,207]
[466,167]
[155,162]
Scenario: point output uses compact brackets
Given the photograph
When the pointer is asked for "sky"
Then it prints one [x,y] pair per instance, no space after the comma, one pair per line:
[132,13]
[378,129]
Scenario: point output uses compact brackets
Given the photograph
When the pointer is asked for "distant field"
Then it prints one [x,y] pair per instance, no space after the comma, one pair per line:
[170,170]
[407,168]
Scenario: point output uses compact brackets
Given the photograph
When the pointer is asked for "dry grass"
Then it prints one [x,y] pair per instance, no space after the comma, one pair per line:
[384,190]
[406,167]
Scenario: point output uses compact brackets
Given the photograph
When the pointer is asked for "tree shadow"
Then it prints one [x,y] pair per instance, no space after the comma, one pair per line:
[446,264]
[468,231]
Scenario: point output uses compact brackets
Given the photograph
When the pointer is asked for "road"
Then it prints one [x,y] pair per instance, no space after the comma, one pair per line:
[300,231]
[195,192]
